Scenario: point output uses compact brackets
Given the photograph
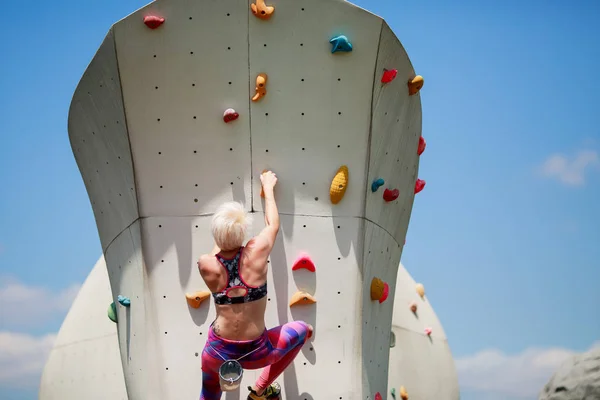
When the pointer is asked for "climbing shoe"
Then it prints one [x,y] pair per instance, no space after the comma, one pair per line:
[273,392]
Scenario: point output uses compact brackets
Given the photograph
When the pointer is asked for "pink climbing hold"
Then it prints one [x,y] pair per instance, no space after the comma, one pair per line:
[419,185]
[230,115]
[386,293]
[428,331]
[390,195]
[153,22]
[305,262]
[378,396]
[422,145]
[389,75]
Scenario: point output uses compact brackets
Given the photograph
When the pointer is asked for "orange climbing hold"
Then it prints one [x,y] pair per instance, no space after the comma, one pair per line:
[415,84]
[421,290]
[305,262]
[403,393]
[422,145]
[302,298]
[419,185]
[389,75]
[379,290]
[261,10]
[261,87]
[153,21]
[339,185]
[262,192]
[195,299]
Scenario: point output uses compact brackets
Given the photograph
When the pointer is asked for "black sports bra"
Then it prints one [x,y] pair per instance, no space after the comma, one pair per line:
[235,281]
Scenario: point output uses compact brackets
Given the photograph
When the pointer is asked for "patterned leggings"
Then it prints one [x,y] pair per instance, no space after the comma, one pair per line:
[277,348]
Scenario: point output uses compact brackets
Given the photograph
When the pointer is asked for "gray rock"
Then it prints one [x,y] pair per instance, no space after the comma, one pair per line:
[577,379]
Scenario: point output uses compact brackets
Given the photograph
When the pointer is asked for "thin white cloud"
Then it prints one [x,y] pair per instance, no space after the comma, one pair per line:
[570,171]
[25,306]
[520,375]
[22,358]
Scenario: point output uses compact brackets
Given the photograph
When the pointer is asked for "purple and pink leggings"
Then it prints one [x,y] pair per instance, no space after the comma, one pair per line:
[277,348]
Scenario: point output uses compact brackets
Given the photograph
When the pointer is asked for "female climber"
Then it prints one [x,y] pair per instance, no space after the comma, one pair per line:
[237,277]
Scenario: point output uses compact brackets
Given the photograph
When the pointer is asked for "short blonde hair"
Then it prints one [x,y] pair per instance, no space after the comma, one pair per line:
[229,225]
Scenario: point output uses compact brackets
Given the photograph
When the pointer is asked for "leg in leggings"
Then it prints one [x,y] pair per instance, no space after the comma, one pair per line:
[211,388]
[286,340]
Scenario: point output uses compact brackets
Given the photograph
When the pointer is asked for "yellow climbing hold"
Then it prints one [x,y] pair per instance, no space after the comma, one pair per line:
[420,290]
[403,393]
[195,299]
[339,185]
[415,84]
[302,298]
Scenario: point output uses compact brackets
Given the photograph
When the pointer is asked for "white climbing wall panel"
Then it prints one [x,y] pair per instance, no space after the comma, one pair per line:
[169,88]
[84,363]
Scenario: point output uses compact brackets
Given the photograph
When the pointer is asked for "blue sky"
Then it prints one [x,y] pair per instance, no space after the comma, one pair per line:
[504,236]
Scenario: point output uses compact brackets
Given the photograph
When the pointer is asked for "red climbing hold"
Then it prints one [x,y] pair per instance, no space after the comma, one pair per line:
[390,195]
[386,293]
[305,262]
[378,396]
[422,145]
[389,75]
[153,22]
[419,185]
[230,115]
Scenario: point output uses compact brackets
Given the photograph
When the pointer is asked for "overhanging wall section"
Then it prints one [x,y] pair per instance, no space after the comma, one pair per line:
[98,135]
[396,128]
[177,82]
[316,114]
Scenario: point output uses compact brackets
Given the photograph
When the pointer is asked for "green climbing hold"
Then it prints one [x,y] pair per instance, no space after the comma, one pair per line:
[112,312]
[394,393]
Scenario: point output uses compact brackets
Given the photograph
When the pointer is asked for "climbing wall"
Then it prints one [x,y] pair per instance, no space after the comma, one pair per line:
[85,363]
[420,361]
[201,98]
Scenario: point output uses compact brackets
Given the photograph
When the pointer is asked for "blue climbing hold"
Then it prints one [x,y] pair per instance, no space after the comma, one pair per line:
[377,184]
[124,301]
[340,43]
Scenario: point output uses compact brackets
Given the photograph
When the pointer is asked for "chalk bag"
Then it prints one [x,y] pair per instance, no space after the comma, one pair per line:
[230,375]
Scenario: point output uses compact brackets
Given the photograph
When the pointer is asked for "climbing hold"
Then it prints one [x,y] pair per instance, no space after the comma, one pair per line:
[393,392]
[112,312]
[305,262]
[390,195]
[230,115]
[195,299]
[377,184]
[340,43]
[413,307]
[389,75]
[302,298]
[378,396]
[403,393]
[422,145]
[261,87]
[421,290]
[419,185]
[124,301]
[379,290]
[261,10]
[428,331]
[415,84]
[339,185]
[153,22]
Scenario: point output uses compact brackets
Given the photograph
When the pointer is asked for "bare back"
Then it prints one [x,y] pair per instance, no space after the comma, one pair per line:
[243,321]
